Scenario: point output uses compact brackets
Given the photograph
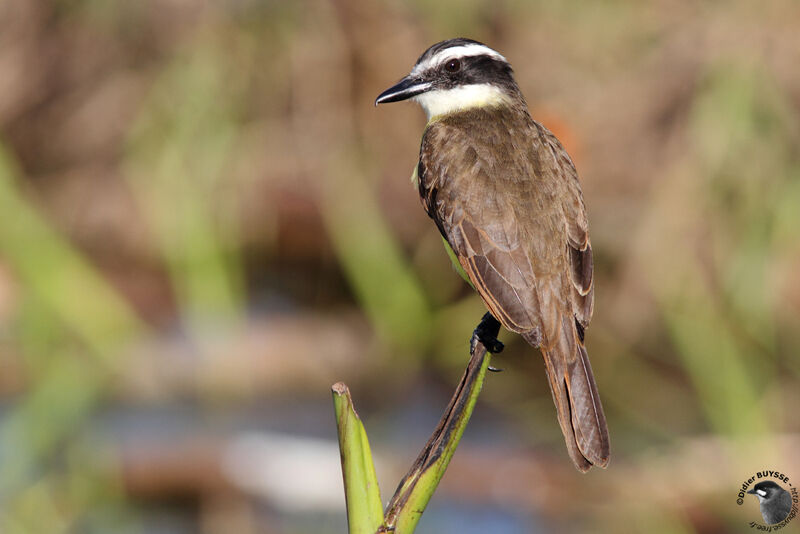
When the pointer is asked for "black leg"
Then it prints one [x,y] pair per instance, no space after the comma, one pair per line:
[486,332]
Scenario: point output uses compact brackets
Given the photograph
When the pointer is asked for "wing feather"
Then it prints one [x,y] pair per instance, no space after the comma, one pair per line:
[577,228]
[518,227]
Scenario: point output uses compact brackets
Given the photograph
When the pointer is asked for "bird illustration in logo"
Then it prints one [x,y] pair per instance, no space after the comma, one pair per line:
[776,502]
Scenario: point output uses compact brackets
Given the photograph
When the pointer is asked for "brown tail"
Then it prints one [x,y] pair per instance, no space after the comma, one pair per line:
[580,413]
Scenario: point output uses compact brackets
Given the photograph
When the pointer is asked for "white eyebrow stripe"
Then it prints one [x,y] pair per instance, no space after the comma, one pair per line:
[456,51]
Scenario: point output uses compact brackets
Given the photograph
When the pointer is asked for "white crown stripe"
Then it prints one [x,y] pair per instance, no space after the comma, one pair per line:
[454,52]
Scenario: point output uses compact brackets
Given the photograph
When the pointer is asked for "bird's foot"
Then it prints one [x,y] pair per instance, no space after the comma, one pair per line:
[486,333]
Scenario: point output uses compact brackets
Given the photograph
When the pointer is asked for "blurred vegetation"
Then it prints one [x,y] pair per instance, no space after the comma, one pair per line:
[206,223]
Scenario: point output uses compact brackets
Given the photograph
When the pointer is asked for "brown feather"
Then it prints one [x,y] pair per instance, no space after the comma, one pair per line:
[506,196]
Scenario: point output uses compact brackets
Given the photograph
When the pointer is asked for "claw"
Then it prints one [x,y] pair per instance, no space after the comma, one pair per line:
[494,369]
[494,346]
[486,332]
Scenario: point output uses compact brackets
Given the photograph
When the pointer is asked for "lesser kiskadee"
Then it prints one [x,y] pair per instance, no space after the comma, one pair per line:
[506,198]
[775,502]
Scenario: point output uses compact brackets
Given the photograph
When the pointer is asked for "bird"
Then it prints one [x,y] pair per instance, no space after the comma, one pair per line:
[506,198]
[776,502]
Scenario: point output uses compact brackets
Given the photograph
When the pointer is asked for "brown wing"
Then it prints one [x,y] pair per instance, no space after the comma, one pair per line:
[511,215]
[505,195]
[577,225]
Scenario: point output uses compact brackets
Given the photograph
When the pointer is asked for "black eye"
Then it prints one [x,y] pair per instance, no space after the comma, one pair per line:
[453,65]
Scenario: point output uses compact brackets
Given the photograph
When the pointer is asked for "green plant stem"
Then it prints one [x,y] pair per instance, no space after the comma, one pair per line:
[364,512]
[416,488]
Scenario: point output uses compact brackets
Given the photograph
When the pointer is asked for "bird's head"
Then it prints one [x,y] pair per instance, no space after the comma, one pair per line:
[456,75]
[766,490]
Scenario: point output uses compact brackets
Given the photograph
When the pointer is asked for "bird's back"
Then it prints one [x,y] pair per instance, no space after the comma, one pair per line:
[505,195]
[495,186]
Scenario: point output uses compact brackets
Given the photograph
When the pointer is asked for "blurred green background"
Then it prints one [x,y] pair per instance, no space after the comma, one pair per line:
[205,223]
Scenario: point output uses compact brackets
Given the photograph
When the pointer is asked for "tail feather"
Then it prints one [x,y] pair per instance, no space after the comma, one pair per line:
[580,413]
